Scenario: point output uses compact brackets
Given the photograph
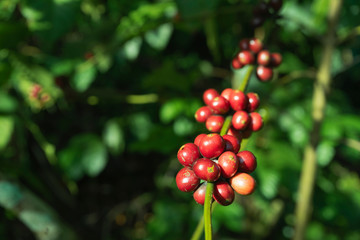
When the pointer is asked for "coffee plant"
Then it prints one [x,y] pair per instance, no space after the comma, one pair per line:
[179,119]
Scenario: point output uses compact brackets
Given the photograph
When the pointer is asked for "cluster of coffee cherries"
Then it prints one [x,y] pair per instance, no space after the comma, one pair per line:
[252,52]
[230,102]
[215,158]
[264,10]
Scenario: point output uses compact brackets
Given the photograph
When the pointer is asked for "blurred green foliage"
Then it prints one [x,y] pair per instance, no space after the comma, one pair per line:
[97,96]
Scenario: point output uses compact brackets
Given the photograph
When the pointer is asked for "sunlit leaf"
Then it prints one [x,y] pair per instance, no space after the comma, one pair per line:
[6,130]
[113,137]
[84,75]
[159,37]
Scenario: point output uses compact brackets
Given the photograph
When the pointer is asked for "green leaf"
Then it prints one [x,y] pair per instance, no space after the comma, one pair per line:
[290,63]
[159,37]
[84,75]
[231,216]
[7,8]
[132,48]
[325,153]
[8,103]
[10,194]
[188,8]
[85,154]
[113,137]
[14,32]
[171,109]
[6,130]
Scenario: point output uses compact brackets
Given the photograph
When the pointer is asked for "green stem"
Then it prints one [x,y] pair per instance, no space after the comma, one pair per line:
[245,81]
[207,210]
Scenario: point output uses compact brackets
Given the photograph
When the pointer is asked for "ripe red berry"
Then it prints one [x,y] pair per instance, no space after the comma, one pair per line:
[214,123]
[276,4]
[188,154]
[223,193]
[263,57]
[238,100]
[247,161]
[247,132]
[207,169]
[209,95]
[235,63]
[219,105]
[275,59]
[264,74]
[256,121]
[236,133]
[198,138]
[255,45]
[228,163]
[254,101]
[243,183]
[212,145]
[240,120]
[199,194]
[244,44]
[232,143]
[226,93]
[202,114]
[186,180]
[246,57]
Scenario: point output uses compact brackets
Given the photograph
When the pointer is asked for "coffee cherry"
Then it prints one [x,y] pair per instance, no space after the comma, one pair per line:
[263,57]
[214,123]
[223,193]
[202,114]
[238,100]
[276,4]
[199,194]
[243,183]
[206,169]
[186,180]
[240,120]
[275,59]
[247,161]
[235,63]
[226,93]
[254,101]
[219,105]
[264,74]
[209,95]
[246,57]
[244,44]
[228,163]
[231,143]
[212,145]
[255,45]
[198,139]
[188,154]
[256,121]
[236,133]
[247,132]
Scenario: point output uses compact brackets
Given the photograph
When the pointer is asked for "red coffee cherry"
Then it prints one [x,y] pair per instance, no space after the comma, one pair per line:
[275,59]
[231,143]
[255,45]
[243,183]
[223,193]
[235,63]
[246,57]
[264,74]
[244,44]
[214,123]
[236,133]
[240,120]
[276,4]
[263,57]
[199,194]
[198,139]
[228,163]
[188,154]
[238,100]
[226,93]
[256,121]
[209,95]
[254,101]
[186,180]
[247,132]
[212,145]
[206,169]
[219,105]
[247,161]
[203,113]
